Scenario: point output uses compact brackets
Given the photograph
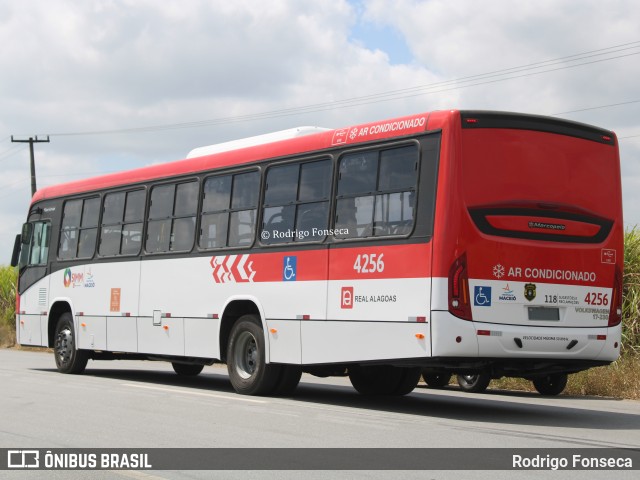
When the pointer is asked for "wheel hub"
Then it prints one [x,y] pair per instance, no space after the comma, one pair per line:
[64,346]
[246,356]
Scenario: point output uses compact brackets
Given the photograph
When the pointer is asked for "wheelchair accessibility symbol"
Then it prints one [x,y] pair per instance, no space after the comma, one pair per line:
[482,296]
[289,269]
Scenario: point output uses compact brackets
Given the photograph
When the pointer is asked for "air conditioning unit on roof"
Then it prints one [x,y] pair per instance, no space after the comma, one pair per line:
[253,141]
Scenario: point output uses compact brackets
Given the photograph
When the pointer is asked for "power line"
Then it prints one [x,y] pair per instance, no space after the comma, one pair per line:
[597,108]
[437,87]
[81,174]
[8,153]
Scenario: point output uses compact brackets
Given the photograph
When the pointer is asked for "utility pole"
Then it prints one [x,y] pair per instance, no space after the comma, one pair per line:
[31,141]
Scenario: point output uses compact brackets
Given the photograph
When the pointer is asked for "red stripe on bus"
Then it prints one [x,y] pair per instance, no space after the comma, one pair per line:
[357,263]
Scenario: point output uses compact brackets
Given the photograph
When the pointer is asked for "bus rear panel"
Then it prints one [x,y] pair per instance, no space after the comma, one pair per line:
[528,247]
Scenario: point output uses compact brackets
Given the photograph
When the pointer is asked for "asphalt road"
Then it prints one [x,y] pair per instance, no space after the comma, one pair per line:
[131,404]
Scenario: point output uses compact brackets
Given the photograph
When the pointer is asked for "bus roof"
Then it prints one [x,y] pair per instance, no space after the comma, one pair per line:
[310,139]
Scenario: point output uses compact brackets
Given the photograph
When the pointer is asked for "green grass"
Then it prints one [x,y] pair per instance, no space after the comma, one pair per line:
[619,380]
[8,277]
[631,293]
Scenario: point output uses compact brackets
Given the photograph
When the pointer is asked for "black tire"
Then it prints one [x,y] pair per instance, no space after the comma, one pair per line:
[383,379]
[186,369]
[248,371]
[409,381]
[68,358]
[476,383]
[551,384]
[436,380]
[288,381]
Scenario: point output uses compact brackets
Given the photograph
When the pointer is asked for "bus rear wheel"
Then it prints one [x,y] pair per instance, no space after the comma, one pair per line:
[68,358]
[289,379]
[551,384]
[383,379]
[186,369]
[248,371]
[436,380]
[476,383]
[409,381]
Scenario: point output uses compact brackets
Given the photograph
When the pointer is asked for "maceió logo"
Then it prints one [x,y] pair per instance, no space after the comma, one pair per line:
[67,278]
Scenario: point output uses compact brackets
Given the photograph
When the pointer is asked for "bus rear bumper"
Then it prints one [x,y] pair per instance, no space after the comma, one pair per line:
[454,337]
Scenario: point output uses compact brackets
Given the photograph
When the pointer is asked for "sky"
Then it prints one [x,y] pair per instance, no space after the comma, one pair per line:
[120,84]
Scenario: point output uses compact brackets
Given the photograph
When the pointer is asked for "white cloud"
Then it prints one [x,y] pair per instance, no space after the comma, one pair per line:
[465,38]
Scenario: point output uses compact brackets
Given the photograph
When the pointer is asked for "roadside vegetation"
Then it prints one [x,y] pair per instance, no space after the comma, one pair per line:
[619,379]
[631,293]
[8,276]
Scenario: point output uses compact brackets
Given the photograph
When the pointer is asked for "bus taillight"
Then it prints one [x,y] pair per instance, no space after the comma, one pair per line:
[459,304]
[615,314]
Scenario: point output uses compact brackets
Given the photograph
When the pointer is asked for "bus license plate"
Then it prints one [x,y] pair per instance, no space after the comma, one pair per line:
[544,313]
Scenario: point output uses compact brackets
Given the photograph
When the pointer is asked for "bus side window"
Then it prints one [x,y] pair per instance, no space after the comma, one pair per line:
[79,228]
[312,211]
[280,195]
[244,208]
[398,175]
[34,258]
[376,193]
[357,179]
[133,220]
[40,243]
[68,246]
[216,194]
[110,233]
[88,228]
[159,221]
[296,202]
[121,231]
[172,214]
[184,213]
[229,206]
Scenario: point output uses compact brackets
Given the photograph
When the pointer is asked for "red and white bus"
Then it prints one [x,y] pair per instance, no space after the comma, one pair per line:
[482,244]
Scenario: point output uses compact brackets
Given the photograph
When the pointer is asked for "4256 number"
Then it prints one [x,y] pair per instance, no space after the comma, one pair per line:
[369,263]
[597,299]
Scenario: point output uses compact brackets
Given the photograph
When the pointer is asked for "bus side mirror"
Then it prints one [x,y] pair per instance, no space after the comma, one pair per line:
[22,241]
[16,251]
[27,231]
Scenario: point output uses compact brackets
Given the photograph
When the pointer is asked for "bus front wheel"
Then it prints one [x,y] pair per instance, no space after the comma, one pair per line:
[248,371]
[68,358]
